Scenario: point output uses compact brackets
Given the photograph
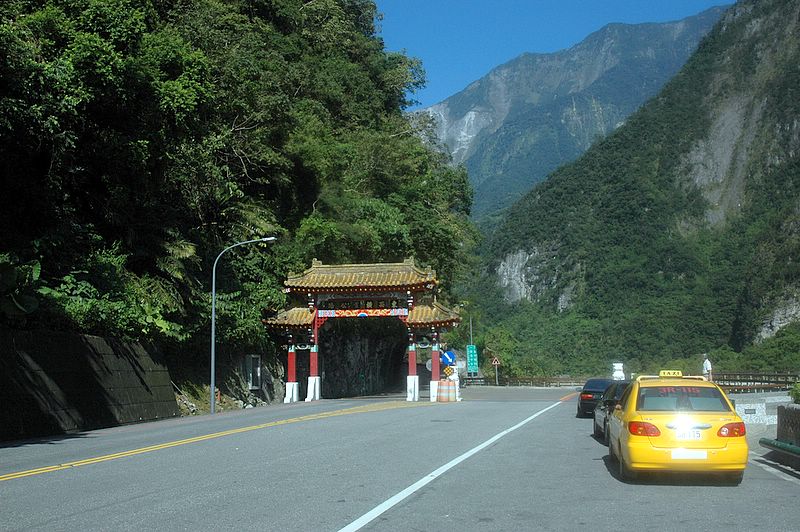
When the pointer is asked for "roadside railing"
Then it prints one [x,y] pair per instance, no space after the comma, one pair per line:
[732,382]
[543,381]
[750,381]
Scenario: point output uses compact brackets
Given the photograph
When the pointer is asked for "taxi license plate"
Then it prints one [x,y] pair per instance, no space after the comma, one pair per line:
[689,454]
[688,435]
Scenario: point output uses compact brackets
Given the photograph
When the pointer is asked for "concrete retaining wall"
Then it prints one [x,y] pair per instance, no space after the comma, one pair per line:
[55,383]
[760,408]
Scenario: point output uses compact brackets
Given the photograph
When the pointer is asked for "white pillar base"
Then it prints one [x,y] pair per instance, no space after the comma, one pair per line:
[292,392]
[313,389]
[434,391]
[458,386]
[412,388]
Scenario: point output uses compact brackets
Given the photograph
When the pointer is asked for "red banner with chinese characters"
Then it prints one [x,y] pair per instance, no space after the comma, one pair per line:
[363,313]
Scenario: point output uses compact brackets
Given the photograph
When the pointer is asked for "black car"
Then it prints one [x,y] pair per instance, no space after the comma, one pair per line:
[605,406]
[590,393]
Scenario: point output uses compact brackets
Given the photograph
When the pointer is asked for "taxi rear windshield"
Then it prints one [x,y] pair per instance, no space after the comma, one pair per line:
[681,399]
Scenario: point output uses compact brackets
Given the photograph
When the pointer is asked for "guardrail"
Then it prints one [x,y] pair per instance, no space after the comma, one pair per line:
[750,381]
[543,381]
[732,382]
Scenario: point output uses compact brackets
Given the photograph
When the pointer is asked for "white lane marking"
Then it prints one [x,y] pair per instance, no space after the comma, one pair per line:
[772,467]
[388,503]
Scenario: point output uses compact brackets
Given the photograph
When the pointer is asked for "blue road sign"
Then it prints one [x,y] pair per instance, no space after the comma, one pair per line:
[448,358]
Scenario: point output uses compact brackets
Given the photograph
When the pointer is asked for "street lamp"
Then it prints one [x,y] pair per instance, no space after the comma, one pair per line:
[214,312]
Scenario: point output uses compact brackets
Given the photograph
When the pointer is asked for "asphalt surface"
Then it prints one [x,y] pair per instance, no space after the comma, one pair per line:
[502,459]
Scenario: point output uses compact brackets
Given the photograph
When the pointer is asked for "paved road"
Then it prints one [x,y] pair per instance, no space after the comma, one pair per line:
[503,459]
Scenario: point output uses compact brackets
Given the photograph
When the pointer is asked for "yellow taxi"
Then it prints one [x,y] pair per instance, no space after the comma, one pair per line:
[672,422]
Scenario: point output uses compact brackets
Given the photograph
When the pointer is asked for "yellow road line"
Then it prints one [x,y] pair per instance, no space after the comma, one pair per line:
[376,407]
[568,396]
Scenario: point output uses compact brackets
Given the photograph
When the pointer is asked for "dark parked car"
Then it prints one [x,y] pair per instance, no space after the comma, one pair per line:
[590,393]
[605,407]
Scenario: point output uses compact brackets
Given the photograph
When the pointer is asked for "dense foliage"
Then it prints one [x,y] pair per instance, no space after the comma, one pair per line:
[139,138]
[625,234]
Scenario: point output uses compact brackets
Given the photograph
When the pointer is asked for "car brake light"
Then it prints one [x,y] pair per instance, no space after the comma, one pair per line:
[732,430]
[642,428]
[587,396]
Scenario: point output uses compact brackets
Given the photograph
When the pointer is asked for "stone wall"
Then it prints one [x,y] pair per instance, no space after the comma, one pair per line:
[789,424]
[55,383]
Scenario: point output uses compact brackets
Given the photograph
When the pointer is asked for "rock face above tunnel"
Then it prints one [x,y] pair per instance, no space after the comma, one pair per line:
[362,357]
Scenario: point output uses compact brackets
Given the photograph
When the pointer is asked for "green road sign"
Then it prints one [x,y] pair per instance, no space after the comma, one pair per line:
[472,359]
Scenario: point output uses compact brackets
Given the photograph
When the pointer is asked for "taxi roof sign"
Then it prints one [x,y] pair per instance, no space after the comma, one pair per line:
[669,374]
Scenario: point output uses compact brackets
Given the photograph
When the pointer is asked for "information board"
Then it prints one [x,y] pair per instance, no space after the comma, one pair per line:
[472,359]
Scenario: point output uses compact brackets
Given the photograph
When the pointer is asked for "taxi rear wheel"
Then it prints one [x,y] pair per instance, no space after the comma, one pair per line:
[625,473]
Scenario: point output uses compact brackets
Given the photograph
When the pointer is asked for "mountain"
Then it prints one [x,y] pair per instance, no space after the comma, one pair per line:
[525,118]
[677,234]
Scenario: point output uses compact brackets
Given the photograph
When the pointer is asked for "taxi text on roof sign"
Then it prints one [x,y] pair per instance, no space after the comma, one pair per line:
[670,373]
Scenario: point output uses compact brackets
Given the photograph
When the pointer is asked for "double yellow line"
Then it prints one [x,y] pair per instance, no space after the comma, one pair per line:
[376,407]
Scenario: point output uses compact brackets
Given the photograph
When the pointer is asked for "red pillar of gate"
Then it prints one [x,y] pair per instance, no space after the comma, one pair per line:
[313,362]
[412,359]
[291,363]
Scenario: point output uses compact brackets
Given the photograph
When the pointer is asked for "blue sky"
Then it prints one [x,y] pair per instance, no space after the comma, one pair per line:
[460,41]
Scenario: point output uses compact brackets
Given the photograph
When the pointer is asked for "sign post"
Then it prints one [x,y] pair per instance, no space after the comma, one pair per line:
[495,363]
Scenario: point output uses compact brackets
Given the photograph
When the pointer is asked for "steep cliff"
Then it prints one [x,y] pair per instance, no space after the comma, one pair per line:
[525,118]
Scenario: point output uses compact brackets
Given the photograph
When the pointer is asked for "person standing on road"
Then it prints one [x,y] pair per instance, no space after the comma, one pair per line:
[706,367]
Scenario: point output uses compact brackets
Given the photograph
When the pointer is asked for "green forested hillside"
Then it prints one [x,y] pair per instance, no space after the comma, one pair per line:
[674,236]
[139,138]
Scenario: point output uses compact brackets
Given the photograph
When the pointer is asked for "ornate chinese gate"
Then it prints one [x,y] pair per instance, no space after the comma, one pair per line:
[391,290]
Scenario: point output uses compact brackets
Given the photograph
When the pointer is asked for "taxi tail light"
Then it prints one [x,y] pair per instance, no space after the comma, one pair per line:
[587,396]
[643,428]
[732,430]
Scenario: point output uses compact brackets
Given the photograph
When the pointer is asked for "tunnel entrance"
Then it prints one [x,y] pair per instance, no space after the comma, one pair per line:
[362,357]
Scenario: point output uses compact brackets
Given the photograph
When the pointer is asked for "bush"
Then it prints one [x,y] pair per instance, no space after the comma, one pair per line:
[794,393]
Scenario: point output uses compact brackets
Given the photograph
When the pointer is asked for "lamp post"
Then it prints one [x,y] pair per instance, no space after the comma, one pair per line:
[214,312]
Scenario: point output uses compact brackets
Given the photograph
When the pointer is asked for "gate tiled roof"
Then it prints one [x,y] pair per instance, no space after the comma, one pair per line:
[433,314]
[293,318]
[322,278]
